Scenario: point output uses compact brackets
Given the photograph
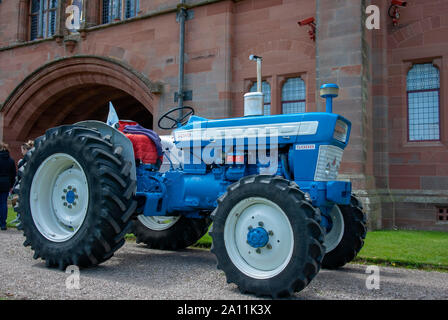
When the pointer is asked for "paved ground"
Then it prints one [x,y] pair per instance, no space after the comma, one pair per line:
[136,272]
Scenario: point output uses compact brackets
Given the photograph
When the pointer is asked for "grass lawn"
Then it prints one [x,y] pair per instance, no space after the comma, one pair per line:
[11,216]
[412,249]
[418,249]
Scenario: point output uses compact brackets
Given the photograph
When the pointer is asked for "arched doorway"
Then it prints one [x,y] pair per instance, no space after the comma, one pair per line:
[74,89]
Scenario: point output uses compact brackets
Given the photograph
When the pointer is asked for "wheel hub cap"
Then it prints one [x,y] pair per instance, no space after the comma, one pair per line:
[59,197]
[260,252]
[70,196]
[257,238]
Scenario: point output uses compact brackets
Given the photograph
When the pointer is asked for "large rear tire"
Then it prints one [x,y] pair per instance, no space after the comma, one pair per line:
[266,236]
[169,233]
[76,197]
[351,241]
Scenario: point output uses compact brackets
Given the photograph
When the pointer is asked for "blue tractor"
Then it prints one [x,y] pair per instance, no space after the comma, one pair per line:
[267,184]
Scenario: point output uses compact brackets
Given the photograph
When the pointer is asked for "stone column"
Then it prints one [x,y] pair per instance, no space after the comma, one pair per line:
[343,56]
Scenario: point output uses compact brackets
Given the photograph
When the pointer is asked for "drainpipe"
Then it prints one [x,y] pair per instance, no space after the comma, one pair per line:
[182,16]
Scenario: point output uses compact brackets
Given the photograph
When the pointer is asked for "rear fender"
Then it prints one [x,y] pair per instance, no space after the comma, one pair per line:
[117,138]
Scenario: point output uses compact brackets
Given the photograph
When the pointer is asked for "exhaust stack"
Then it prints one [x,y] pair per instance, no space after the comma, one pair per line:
[254,101]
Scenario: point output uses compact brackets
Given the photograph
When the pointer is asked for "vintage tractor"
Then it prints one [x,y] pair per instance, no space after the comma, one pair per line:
[268,184]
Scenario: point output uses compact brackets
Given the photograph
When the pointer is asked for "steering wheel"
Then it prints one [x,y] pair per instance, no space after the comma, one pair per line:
[176,122]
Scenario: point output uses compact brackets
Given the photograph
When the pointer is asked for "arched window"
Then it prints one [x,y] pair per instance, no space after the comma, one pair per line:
[42,18]
[423,93]
[294,96]
[266,88]
[116,9]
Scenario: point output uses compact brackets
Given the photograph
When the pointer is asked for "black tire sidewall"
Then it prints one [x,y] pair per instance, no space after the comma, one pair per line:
[32,166]
[352,240]
[299,221]
[83,248]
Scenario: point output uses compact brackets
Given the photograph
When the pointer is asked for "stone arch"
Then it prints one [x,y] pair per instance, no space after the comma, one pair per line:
[72,89]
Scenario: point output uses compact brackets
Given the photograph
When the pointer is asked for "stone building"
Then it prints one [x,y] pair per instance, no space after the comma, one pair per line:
[394,80]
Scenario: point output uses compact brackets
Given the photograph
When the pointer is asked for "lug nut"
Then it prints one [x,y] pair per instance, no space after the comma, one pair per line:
[65,190]
[65,204]
[74,189]
[74,203]
[63,197]
[69,187]
[269,246]
[271,233]
[69,206]
[261,223]
[250,228]
[258,250]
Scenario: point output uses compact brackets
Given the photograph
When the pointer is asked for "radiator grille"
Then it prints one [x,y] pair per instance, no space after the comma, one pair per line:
[328,163]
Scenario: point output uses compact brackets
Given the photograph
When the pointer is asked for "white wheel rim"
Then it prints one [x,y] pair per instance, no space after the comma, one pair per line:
[265,262]
[158,223]
[334,237]
[59,197]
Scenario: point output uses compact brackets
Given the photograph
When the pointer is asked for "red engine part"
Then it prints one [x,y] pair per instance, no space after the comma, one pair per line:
[144,149]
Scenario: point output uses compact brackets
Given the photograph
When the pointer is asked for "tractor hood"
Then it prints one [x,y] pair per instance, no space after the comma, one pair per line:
[288,128]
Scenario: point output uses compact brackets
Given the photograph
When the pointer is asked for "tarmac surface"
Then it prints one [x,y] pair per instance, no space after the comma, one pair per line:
[135,272]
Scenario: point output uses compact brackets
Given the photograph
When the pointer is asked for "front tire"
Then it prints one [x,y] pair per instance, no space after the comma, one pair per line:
[76,198]
[266,236]
[354,229]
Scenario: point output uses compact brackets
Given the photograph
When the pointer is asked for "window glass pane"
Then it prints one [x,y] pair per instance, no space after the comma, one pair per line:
[34,26]
[106,11]
[116,9]
[423,85]
[266,88]
[44,24]
[131,8]
[423,77]
[293,107]
[52,27]
[424,115]
[35,4]
[294,96]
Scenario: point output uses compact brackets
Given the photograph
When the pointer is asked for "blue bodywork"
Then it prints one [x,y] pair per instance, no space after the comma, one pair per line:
[304,148]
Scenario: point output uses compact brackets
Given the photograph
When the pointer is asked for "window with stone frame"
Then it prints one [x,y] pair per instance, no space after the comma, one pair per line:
[115,10]
[423,100]
[294,96]
[42,18]
[266,89]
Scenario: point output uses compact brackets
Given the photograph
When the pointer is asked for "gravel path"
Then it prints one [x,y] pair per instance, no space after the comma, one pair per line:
[136,272]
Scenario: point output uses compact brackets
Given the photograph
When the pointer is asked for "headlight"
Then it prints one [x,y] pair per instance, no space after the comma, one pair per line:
[340,131]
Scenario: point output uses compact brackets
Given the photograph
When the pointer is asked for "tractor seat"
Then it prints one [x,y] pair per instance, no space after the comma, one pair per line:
[146,143]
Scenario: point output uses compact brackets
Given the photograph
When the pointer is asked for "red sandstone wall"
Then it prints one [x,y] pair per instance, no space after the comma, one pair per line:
[269,29]
[9,17]
[423,33]
[219,39]
[412,177]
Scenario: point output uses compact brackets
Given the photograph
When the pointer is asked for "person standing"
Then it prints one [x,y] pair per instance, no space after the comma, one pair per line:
[27,146]
[7,178]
